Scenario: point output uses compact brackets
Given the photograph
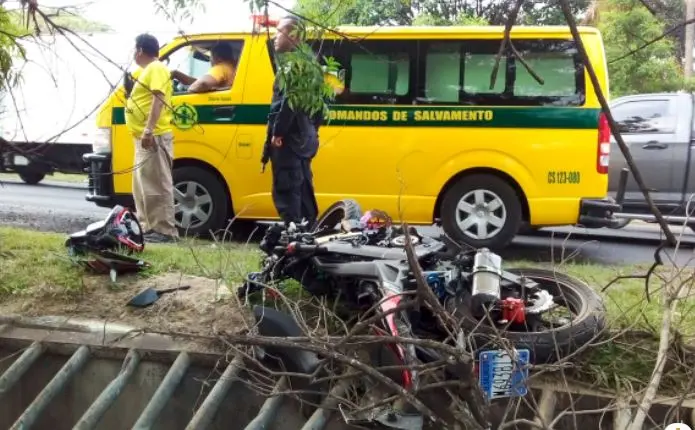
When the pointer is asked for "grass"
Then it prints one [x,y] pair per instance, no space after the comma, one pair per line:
[56,177]
[30,261]
[624,361]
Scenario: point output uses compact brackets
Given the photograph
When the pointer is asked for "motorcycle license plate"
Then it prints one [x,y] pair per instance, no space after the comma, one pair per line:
[501,375]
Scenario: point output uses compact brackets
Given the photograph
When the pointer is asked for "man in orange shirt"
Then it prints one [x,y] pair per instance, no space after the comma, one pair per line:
[221,74]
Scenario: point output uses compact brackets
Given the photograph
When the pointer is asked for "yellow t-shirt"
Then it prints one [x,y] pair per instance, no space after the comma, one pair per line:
[223,74]
[154,77]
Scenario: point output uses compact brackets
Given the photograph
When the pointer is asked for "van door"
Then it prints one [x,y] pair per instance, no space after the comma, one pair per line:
[365,127]
[648,126]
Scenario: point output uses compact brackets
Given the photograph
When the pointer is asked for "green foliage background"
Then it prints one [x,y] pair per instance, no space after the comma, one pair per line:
[625,24]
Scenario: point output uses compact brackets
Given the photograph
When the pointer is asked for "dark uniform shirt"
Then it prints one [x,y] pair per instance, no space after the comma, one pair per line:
[299,131]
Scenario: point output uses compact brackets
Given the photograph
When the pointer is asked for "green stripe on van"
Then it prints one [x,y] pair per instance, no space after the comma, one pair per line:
[414,116]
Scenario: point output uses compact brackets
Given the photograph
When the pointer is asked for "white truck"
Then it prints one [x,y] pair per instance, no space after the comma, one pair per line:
[47,121]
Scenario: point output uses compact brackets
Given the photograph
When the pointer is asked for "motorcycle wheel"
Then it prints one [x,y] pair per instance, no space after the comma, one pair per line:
[346,209]
[553,343]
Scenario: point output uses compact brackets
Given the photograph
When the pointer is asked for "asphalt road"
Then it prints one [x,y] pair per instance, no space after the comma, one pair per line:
[62,208]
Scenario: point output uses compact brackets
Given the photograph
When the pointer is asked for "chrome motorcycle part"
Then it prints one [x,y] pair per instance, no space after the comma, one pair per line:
[542,301]
[486,279]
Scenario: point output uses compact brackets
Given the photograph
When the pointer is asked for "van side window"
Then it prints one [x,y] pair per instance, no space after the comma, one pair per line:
[644,116]
[459,72]
[449,71]
[195,62]
[376,71]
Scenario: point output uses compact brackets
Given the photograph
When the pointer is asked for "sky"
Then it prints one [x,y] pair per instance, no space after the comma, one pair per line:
[131,17]
[61,87]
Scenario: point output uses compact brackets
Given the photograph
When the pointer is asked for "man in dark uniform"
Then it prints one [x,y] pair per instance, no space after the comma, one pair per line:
[292,142]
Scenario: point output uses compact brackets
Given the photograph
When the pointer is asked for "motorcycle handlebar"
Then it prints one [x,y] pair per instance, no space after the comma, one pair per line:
[297,247]
[304,248]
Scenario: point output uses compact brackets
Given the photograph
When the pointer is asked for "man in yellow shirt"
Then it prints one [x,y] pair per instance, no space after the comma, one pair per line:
[148,118]
[220,75]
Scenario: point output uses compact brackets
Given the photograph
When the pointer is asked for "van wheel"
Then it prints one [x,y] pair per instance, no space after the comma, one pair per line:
[200,201]
[482,211]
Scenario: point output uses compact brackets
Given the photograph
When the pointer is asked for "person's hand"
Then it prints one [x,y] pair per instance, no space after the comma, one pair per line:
[147,140]
[276,141]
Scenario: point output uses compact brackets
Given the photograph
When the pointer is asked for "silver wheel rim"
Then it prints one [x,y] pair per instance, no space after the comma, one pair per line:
[192,205]
[481,214]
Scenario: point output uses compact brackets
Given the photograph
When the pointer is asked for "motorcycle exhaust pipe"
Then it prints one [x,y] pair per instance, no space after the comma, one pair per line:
[486,280]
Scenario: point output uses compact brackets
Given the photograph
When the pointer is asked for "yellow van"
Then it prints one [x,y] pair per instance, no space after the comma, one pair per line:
[419,132]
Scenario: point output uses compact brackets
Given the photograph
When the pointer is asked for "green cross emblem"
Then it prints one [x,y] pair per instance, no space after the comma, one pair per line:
[185,116]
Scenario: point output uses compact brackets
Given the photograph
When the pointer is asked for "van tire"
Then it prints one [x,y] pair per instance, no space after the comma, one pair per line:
[204,183]
[495,191]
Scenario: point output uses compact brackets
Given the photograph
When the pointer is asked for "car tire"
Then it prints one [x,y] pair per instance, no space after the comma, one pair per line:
[201,202]
[31,177]
[487,198]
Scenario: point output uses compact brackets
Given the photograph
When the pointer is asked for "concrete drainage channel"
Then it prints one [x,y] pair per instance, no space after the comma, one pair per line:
[58,374]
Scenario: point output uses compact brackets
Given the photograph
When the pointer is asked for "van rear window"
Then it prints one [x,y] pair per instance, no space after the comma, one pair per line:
[446,72]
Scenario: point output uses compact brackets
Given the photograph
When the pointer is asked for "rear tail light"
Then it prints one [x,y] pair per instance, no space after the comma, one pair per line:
[264,21]
[603,146]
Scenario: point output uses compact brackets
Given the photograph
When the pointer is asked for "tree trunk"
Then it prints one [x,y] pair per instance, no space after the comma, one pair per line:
[689,36]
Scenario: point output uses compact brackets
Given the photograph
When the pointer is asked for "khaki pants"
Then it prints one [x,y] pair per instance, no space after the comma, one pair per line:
[153,188]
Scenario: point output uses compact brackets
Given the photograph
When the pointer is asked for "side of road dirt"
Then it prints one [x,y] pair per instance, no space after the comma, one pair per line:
[207,307]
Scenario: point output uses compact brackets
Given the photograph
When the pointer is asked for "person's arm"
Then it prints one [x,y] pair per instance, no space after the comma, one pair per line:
[155,110]
[182,77]
[203,84]
[210,81]
[159,79]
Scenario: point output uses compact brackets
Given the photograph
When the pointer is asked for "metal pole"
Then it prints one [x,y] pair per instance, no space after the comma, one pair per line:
[96,411]
[20,366]
[59,381]
[320,417]
[204,415]
[270,408]
[166,388]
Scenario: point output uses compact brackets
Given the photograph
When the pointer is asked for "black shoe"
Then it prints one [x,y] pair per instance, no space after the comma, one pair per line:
[156,237]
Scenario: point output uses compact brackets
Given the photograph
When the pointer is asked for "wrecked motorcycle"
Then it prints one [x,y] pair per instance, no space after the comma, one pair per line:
[506,315]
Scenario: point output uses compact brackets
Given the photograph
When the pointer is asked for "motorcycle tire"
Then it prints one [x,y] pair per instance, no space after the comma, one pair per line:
[553,344]
[346,209]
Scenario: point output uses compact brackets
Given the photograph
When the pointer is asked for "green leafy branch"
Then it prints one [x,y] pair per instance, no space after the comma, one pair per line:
[308,85]
[184,9]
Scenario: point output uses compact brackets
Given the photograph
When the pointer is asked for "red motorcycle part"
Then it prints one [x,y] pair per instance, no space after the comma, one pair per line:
[514,310]
[390,302]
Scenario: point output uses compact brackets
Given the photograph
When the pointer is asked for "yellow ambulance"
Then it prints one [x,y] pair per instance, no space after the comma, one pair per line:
[419,131]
